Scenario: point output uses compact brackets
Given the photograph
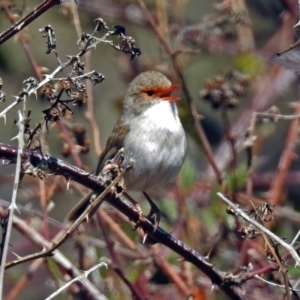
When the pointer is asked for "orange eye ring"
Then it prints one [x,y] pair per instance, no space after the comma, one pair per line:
[161,92]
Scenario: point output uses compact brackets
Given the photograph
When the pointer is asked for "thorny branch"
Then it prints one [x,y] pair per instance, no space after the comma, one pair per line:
[90,181]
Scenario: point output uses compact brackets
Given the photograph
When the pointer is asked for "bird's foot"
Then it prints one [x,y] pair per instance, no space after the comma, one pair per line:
[142,216]
[154,217]
[154,214]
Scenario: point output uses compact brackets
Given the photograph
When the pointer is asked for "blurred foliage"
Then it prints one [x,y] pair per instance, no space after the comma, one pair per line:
[249,63]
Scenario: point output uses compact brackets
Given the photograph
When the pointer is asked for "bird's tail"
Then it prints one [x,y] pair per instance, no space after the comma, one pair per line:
[81,206]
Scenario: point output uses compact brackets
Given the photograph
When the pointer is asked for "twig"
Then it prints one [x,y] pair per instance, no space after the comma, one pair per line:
[73,149]
[13,205]
[58,257]
[38,74]
[43,204]
[162,262]
[89,114]
[286,159]
[24,279]
[90,42]
[35,13]
[265,179]
[21,38]
[295,238]
[117,229]
[239,212]
[116,264]
[80,278]
[280,212]
[230,139]
[275,284]
[274,252]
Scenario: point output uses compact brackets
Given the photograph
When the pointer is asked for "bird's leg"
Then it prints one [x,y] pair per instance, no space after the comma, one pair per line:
[154,214]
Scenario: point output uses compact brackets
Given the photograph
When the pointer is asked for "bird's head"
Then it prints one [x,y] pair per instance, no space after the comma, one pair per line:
[148,89]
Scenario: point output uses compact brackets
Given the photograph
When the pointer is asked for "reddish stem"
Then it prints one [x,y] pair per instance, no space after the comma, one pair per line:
[35,13]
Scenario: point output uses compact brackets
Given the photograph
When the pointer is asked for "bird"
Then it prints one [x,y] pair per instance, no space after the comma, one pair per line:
[151,134]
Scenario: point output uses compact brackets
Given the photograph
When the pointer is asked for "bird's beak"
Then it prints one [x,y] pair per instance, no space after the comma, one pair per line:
[165,93]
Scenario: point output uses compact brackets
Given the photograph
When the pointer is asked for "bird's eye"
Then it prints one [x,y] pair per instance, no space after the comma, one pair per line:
[150,93]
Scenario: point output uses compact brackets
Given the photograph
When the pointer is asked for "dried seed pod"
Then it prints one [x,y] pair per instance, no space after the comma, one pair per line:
[238,90]
[48,92]
[66,85]
[100,24]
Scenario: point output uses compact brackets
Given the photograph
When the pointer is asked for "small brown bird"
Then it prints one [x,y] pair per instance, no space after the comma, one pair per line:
[151,134]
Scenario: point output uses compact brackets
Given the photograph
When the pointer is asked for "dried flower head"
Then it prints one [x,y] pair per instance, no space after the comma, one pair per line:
[100,24]
[224,91]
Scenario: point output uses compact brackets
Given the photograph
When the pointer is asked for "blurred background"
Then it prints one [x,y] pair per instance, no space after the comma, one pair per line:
[211,40]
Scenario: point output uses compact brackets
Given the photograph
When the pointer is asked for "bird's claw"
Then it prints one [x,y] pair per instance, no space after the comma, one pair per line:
[141,214]
[153,216]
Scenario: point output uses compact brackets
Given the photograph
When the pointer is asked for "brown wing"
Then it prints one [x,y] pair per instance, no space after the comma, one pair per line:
[113,144]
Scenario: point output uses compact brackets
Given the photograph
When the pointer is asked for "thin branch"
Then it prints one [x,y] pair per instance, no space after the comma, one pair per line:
[89,114]
[269,243]
[24,279]
[80,278]
[35,13]
[275,284]
[239,212]
[73,149]
[116,263]
[287,156]
[166,267]
[13,205]
[36,69]
[295,238]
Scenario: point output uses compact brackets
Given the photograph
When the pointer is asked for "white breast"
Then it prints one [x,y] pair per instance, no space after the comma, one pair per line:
[156,144]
